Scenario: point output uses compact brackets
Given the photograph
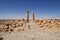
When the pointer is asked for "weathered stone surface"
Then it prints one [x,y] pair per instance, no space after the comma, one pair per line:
[17,25]
[39,23]
[27,16]
[13,25]
[33,17]
[27,25]
[6,27]
[1,26]
[21,24]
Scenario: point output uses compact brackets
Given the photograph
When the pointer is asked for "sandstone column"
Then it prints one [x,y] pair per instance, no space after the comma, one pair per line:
[27,16]
[33,17]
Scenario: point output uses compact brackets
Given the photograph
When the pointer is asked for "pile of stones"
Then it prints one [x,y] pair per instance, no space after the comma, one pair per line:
[53,24]
[9,27]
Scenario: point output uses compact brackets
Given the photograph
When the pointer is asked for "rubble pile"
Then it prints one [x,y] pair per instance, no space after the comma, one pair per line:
[53,24]
[10,27]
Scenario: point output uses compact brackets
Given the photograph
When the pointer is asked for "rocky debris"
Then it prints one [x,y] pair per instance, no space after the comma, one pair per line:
[21,24]
[28,26]
[13,26]
[21,29]
[19,20]
[44,21]
[41,26]
[23,19]
[1,26]
[41,23]
[4,30]
[1,38]
[6,27]
[10,27]
[38,23]
[17,25]
[48,23]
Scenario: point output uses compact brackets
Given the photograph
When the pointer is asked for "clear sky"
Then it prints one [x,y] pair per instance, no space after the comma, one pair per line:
[41,8]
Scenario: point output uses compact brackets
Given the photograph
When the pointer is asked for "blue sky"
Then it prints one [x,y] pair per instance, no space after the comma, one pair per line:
[17,9]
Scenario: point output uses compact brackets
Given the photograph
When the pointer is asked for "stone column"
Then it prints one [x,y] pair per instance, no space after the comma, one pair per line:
[27,16]
[33,17]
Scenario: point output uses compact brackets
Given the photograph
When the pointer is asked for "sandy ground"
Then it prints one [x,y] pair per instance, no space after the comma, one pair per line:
[34,33]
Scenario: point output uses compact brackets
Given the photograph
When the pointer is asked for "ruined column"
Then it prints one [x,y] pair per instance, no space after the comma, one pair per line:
[27,16]
[33,17]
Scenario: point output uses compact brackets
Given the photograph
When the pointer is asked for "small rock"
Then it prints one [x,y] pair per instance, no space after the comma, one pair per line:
[11,29]
[1,38]
[21,24]
[38,23]
[28,25]
[5,27]
[13,25]
[41,26]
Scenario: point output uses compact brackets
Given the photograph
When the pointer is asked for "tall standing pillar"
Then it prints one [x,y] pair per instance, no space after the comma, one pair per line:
[27,16]
[33,17]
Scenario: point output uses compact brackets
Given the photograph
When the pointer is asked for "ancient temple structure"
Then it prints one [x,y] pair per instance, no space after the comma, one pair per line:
[33,17]
[27,16]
